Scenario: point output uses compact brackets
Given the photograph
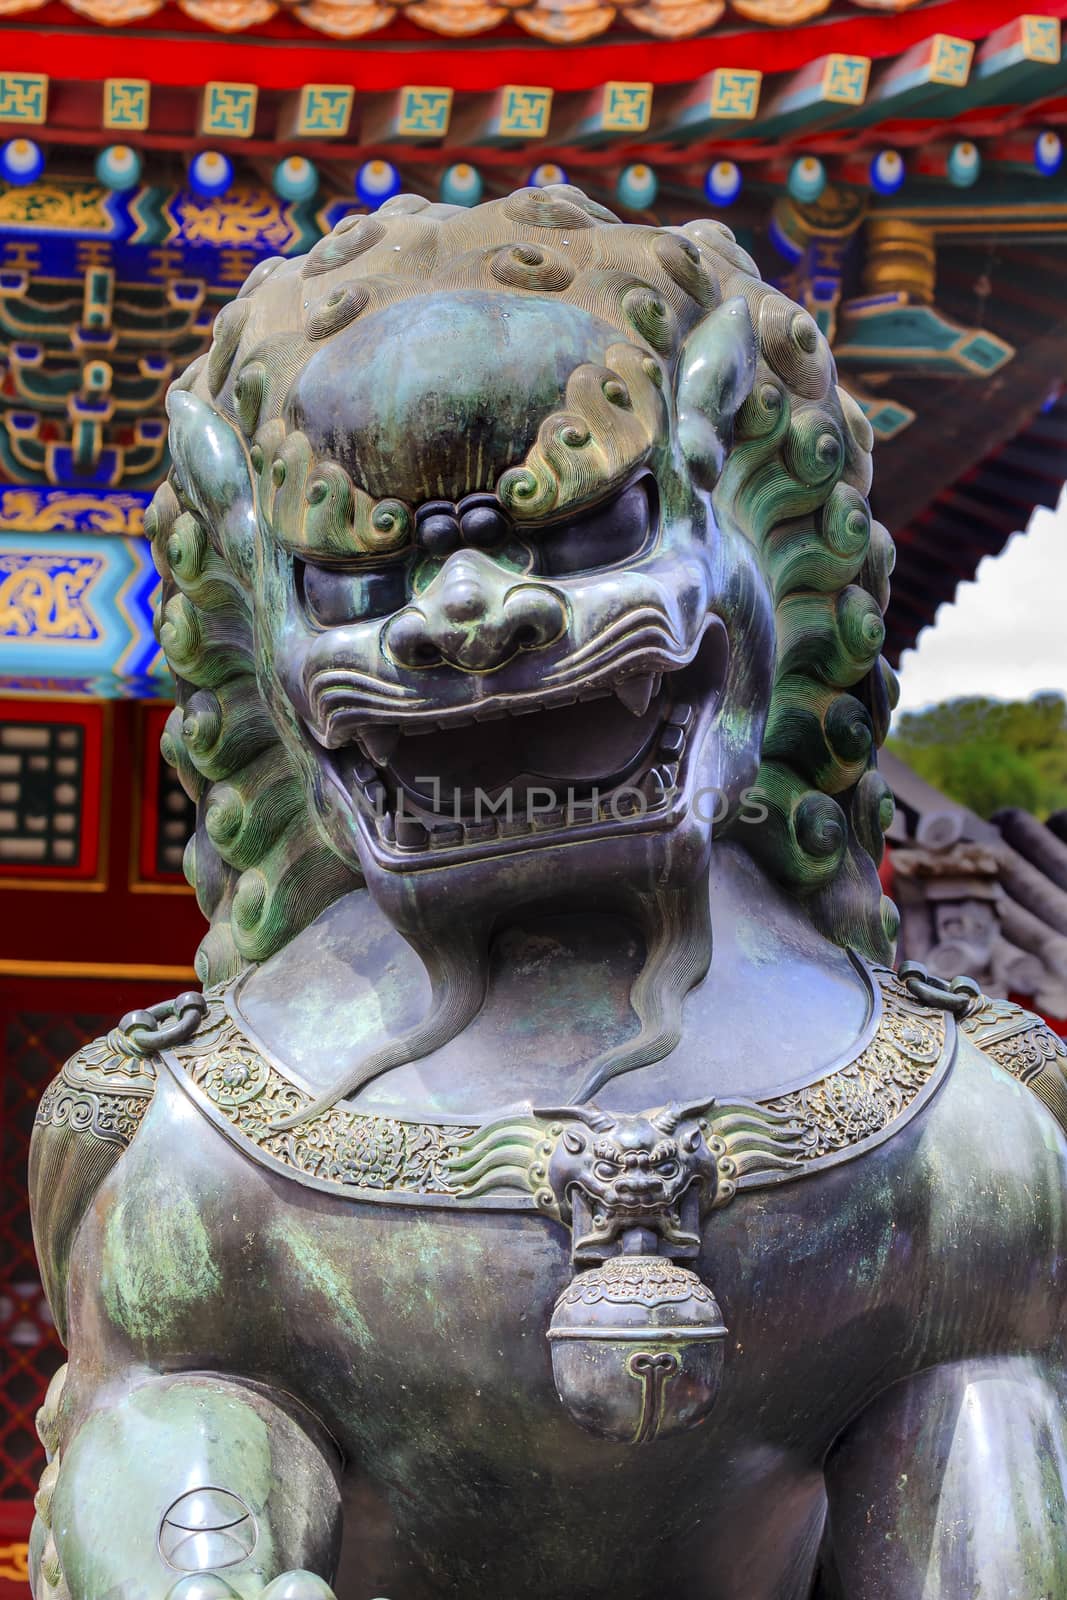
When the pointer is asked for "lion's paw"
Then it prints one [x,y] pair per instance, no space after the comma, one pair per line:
[296,1585]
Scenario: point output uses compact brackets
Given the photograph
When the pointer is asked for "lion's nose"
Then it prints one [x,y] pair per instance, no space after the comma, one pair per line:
[639,1186]
[474,616]
[464,599]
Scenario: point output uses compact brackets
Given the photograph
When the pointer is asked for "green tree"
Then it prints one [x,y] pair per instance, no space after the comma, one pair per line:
[987,753]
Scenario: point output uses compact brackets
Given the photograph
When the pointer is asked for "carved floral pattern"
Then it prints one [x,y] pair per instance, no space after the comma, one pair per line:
[864,1097]
[109,1063]
[752,1141]
[108,1116]
[103,1089]
[1029,1052]
[351,1149]
[637,1280]
[1024,1045]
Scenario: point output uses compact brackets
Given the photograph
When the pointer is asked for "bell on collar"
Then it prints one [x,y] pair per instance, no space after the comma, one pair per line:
[637,1348]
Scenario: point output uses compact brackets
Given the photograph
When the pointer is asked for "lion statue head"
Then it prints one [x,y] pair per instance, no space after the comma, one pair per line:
[513,551]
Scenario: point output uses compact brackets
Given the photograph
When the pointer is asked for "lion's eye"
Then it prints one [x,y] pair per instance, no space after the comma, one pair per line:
[607,535]
[605,1171]
[668,1169]
[333,596]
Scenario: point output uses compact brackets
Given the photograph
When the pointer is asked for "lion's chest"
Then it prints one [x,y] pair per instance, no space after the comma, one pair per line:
[417,1333]
[421,1337]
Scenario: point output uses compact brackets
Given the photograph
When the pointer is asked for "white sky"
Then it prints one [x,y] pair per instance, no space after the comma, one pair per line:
[1006,634]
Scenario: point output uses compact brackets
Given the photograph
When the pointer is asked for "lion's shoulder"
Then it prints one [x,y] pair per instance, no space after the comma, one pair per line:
[86,1119]
[1023,1044]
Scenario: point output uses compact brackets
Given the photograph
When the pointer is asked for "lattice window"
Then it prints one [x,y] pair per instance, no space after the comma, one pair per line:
[35,1047]
[51,789]
[41,775]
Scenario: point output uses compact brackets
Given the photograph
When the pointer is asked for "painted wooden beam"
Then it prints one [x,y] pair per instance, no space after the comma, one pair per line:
[907,85]
[957,163]
[516,113]
[814,96]
[416,114]
[84,53]
[519,112]
[720,104]
[228,110]
[1016,59]
[96,619]
[23,97]
[317,111]
[1026,153]
[611,111]
[1025,209]
[1019,62]
[127,104]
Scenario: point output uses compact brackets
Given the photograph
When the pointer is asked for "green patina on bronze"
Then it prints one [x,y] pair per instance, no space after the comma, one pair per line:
[548,1203]
[152,1294]
[316,1275]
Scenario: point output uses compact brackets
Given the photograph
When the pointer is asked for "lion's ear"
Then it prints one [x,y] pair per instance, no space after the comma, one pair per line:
[715,376]
[214,475]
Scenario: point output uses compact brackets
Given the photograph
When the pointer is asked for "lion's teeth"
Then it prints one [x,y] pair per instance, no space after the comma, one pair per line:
[485,828]
[653,787]
[635,693]
[410,833]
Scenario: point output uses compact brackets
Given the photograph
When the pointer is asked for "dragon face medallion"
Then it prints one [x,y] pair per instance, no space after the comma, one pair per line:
[648,1175]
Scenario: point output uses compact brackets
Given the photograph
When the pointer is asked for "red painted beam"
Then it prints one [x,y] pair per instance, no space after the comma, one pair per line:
[173,53]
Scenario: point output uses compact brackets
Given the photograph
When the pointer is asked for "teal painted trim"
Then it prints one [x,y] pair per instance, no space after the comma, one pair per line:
[888,334]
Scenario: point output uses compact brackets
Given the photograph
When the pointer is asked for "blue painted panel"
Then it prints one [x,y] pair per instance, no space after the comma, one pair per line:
[77,606]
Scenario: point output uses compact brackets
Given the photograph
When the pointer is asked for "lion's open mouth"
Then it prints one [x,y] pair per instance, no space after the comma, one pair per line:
[611,753]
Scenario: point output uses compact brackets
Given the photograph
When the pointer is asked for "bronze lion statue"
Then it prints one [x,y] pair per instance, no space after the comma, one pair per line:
[553,1192]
